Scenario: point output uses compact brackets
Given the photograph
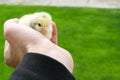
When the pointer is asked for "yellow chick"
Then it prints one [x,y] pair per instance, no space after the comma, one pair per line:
[40,21]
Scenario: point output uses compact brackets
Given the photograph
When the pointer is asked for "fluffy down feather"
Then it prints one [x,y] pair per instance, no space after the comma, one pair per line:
[40,21]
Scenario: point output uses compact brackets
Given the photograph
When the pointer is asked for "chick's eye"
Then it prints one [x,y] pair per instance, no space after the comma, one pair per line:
[39,24]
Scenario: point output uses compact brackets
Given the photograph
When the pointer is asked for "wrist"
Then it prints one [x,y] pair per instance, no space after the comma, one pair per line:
[55,52]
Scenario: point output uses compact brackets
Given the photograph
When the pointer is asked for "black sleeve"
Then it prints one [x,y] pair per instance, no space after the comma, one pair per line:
[40,67]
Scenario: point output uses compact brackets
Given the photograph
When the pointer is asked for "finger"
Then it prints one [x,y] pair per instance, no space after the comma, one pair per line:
[15,20]
[54,33]
[6,46]
[6,51]
[11,27]
[8,24]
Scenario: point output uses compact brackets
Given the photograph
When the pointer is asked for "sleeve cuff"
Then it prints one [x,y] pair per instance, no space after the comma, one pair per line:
[40,67]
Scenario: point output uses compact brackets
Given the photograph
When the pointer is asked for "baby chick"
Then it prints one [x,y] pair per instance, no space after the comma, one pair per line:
[40,21]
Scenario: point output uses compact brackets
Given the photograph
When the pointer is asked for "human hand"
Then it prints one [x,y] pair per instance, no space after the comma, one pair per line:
[12,52]
[22,39]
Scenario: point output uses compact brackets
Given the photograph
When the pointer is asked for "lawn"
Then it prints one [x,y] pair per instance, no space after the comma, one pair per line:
[90,34]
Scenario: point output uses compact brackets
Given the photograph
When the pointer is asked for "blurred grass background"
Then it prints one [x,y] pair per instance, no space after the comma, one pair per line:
[90,34]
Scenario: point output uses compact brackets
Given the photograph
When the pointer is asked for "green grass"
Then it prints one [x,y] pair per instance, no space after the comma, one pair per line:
[90,34]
